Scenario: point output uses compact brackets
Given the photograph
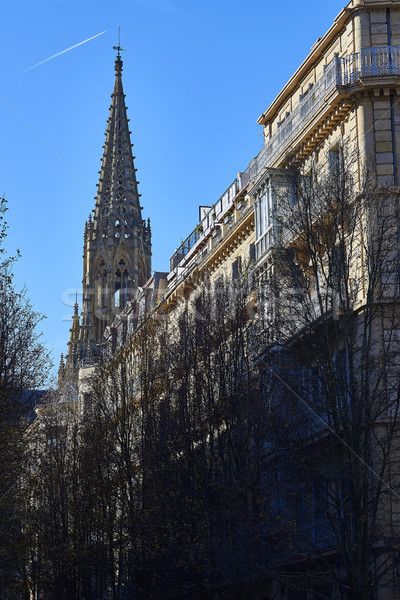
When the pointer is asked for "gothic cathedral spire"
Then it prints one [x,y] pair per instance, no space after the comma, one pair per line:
[117,240]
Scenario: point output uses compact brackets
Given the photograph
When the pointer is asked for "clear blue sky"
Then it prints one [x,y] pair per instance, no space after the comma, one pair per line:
[196,77]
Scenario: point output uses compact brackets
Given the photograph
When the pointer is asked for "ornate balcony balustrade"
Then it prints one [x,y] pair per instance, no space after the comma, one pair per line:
[369,62]
[339,73]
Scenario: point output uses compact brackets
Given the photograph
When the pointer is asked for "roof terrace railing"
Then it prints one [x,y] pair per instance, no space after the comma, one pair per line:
[341,71]
[214,213]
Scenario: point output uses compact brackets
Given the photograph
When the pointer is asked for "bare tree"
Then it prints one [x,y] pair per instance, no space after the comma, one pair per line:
[228,449]
[334,299]
[24,367]
[181,431]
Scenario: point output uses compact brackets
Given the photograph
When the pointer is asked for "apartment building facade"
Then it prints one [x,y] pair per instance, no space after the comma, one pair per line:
[344,94]
[342,100]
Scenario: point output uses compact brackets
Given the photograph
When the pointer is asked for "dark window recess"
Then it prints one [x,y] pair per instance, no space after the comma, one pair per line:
[236,268]
[219,284]
[333,160]
[292,196]
[252,252]
[87,402]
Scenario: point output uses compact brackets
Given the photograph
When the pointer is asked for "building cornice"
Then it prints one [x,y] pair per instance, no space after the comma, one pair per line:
[317,51]
[321,45]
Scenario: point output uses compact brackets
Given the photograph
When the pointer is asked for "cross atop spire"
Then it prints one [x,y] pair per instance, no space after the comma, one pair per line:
[118,48]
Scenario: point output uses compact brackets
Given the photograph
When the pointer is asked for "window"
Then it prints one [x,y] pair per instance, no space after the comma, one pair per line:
[117,292]
[292,196]
[87,402]
[307,182]
[263,211]
[237,268]
[333,160]
[121,281]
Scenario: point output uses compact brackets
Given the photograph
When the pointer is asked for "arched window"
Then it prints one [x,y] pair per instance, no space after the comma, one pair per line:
[117,289]
[121,292]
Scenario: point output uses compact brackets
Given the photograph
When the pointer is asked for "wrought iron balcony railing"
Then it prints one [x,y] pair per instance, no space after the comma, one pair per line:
[369,62]
[340,72]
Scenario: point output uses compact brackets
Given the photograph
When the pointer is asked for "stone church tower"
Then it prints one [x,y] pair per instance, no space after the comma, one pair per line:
[117,241]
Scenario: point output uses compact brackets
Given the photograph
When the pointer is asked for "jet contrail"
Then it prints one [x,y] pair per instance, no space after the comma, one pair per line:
[58,54]
[47,146]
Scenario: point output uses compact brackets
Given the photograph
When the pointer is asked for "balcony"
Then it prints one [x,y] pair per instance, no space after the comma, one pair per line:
[369,62]
[340,73]
[213,215]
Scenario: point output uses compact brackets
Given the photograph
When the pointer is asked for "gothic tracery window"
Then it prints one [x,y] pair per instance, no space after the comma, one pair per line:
[117,289]
[121,285]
